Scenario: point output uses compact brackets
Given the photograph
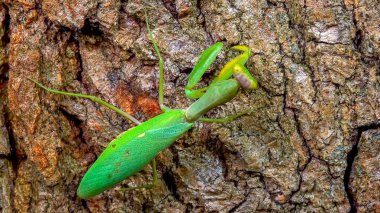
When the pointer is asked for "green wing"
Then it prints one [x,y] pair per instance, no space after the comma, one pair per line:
[122,159]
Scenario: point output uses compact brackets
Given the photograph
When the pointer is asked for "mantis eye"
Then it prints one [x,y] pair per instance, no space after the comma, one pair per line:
[244,77]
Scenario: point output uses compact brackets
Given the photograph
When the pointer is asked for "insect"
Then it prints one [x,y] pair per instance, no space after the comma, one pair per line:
[133,149]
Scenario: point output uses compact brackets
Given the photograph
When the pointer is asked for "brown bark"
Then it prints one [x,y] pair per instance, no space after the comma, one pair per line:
[310,144]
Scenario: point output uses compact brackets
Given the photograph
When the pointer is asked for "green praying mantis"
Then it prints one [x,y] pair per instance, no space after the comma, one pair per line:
[135,148]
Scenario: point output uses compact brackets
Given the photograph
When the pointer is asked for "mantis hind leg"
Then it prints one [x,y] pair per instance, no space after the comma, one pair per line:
[92,98]
[146,186]
[110,106]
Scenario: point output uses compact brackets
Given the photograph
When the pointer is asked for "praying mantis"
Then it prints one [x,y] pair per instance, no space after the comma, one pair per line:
[135,148]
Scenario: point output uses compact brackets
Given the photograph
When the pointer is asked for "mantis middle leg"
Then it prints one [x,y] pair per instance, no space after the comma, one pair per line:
[226,119]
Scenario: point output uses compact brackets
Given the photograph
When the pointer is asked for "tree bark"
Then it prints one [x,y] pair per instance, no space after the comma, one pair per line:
[309,144]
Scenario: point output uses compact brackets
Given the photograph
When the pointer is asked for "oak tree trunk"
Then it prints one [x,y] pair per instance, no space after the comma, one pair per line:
[311,142]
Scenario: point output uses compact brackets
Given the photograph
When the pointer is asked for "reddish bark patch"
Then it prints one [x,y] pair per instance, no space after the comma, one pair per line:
[135,102]
[183,11]
[148,105]
[39,156]
[3,85]
[98,127]
[125,99]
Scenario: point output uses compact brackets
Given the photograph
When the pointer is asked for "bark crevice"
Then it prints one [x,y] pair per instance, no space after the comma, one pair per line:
[351,159]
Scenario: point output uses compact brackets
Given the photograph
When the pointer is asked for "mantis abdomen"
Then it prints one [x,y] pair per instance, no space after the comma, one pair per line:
[132,150]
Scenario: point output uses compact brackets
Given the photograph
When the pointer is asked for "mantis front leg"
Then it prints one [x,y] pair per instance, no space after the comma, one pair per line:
[204,62]
[234,67]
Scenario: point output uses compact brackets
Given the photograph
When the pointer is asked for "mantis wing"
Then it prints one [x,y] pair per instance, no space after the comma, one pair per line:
[118,162]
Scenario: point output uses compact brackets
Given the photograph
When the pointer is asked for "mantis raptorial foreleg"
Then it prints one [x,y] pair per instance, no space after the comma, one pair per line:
[234,67]
[204,62]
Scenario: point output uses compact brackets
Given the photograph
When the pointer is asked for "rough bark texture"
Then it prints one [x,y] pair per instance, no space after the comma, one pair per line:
[310,144]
